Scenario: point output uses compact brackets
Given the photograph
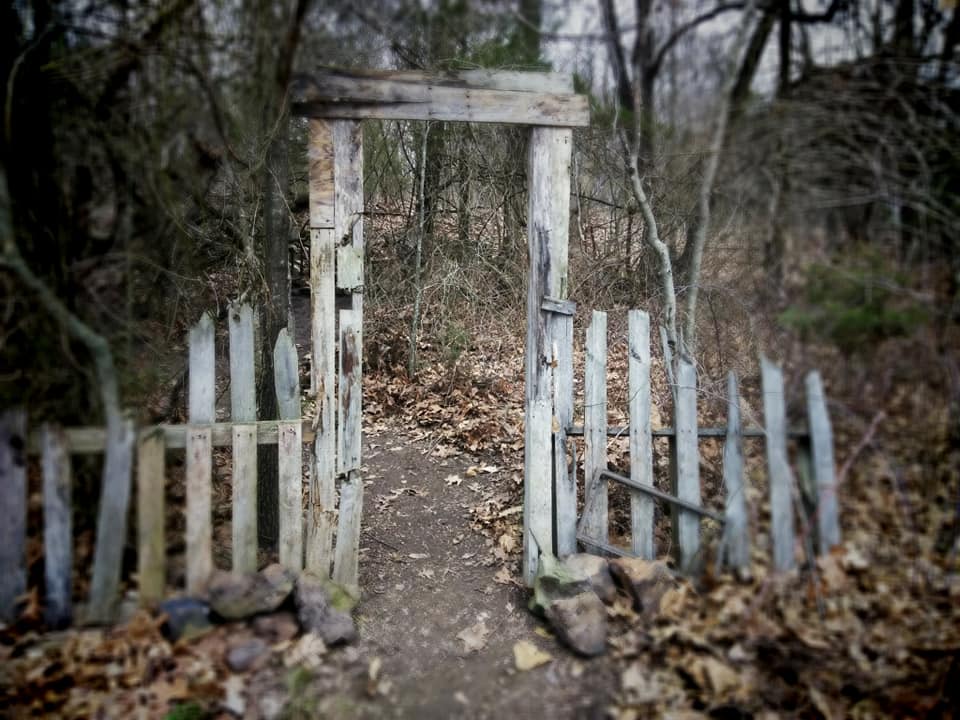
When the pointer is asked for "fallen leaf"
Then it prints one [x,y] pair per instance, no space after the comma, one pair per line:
[453,480]
[528,656]
[475,637]
[418,556]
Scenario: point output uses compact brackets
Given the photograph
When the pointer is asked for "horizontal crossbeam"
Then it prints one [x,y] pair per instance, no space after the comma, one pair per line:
[668,432]
[665,497]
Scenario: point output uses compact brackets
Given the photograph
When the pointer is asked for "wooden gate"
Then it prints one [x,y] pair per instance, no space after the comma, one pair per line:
[807,493]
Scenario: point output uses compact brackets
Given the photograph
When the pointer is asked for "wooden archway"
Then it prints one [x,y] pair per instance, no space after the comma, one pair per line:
[336,102]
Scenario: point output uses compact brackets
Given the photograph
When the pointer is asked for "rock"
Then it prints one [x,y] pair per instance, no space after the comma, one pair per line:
[596,570]
[555,581]
[186,618]
[276,627]
[235,596]
[645,581]
[315,598]
[242,655]
[580,622]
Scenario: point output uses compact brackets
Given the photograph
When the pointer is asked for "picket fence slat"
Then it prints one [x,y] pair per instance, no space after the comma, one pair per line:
[565,481]
[641,441]
[349,408]
[243,413]
[112,522]
[322,498]
[594,521]
[151,548]
[686,525]
[347,554]
[13,511]
[824,471]
[201,412]
[57,527]
[736,541]
[290,471]
[781,501]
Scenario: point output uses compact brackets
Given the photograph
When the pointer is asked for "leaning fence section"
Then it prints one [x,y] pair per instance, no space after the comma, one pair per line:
[815,470]
[198,438]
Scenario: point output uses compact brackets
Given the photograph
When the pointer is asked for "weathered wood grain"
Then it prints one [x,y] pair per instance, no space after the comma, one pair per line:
[781,500]
[565,480]
[201,412]
[112,522]
[736,537]
[151,545]
[594,522]
[824,470]
[291,496]
[13,511]
[347,555]
[57,528]
[641,441]
[481,78]
[686,525]
[351,95]
[321,504]
[243,407]
[349,409]
[548,212]
[243,391]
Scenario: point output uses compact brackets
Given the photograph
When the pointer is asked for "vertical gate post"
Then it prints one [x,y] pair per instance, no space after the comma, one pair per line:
[547,238]
[322,501]
[641,441]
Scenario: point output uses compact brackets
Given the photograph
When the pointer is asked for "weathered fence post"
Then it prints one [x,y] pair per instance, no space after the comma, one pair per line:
[201,413]
[348,222]
[781,500]
[57,527]
[594,523]
[824,472]
[289,451]
[321,512]
[641,441]
[243,413]
[13,511]
[686,524]
[736,531]
[564,481]
[151,548]
[112,520]
[547,236]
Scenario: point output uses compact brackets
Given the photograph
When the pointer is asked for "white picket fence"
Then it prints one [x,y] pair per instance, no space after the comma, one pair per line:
[198,438]
[815,467]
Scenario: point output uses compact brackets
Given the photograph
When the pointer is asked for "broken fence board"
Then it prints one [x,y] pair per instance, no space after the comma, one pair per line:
[151,547]
[112,522]
[349,408]
[736,540]
[641,442]
[824,470]
[781,500]
[13,511]
[57,528]
[686,525]
[347,554]
[594,523]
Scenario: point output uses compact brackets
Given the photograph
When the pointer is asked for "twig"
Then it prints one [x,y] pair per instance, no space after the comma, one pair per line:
[860,446]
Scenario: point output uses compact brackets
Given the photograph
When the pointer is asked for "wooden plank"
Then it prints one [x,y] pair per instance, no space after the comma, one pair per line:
[548,213]
[112,522]
[13,511]
[565,480]
[641,442]
[151,546]
[291,496]
[350,96]
[320,184]
[708,432]
[481,78]
[349,268]
[601,548]
[346,561]
[736,537]
[290,452]
[781,501]
[243,407]
[686,525]
[244,528]
[349,409]
[57,528]
[201,412]
[561,307]
[671,500]
[594,522]
[824,469]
